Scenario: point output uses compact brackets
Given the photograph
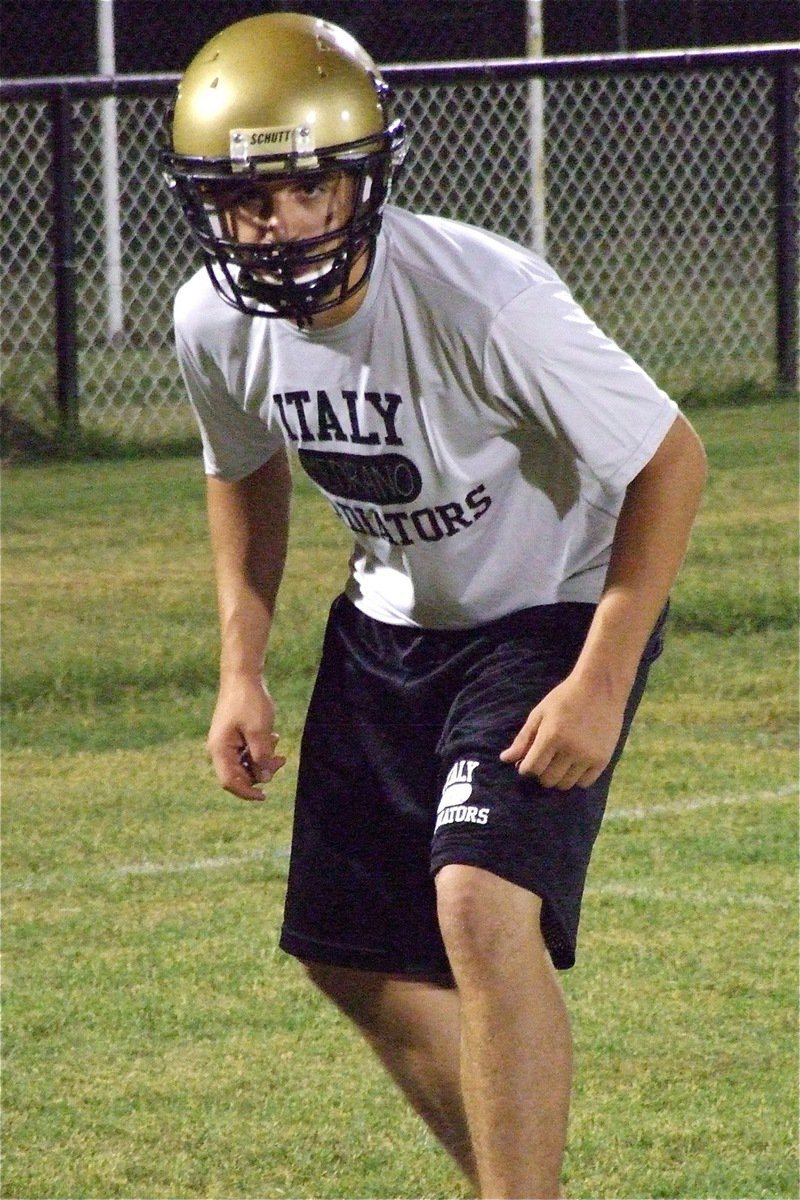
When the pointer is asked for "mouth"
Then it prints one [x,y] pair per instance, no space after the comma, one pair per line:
[300,275]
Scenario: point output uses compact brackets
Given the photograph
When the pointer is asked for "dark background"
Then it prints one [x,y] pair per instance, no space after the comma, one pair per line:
[57,37]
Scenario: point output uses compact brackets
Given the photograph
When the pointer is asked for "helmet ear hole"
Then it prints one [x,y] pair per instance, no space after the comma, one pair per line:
[281,96]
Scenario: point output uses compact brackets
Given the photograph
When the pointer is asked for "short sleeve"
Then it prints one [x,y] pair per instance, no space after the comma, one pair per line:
[235,441]
[547,361]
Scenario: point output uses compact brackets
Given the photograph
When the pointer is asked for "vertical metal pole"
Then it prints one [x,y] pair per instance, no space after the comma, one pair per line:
[63,225]
[106,65]
[786,232]
[538,189]
[622,26]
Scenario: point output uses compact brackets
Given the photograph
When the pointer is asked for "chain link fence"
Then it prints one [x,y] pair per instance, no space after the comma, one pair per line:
[651,193]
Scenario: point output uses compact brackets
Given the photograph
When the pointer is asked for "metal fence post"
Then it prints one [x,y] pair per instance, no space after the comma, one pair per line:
[786,238]
[63,233]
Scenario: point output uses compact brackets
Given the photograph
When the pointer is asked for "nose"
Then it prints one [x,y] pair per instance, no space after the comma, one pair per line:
[264,216]
[268,225]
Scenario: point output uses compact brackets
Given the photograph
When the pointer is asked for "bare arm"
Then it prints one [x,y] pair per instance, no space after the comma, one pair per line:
[248,523]
[570,736]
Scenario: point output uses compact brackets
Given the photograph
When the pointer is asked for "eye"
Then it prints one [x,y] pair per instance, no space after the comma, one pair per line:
[252,197]
[311,187]
[316,186]
[230,197]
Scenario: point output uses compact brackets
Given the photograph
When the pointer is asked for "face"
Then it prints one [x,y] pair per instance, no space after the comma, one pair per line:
[279,212]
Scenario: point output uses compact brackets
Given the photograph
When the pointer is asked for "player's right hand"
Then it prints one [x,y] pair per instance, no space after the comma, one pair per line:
[241,741]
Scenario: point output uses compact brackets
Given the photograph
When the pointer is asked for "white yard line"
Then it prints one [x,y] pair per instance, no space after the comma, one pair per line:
[35,883]
[199,864]
[680,895]
[677,808]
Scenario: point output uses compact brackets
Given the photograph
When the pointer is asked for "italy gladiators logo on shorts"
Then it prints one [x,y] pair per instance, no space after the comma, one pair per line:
[453,806]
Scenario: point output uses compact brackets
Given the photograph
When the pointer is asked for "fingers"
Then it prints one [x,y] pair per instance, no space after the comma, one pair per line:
[236,775]
[262,770]
[563,772]
[556,757]
[239,769]
[241,742]
[561,769]
[519,750]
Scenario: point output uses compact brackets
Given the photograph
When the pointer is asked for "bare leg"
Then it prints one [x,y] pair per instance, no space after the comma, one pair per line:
[516,1054]
[413,1027]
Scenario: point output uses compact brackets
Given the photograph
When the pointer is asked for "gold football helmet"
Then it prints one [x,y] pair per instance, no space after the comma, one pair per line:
[278,97]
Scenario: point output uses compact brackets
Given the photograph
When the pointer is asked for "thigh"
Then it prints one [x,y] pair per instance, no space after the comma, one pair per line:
[489,816]
[360,893]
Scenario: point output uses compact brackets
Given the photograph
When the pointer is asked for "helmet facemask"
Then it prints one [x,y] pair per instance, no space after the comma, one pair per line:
[301,277]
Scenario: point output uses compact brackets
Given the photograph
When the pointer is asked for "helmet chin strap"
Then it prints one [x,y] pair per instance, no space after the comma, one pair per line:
[245,291]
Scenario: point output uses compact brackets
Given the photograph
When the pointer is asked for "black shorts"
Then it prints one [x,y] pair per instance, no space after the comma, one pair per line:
[400,775]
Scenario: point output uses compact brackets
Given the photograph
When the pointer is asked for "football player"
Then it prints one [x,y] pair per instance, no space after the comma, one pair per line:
[520,495]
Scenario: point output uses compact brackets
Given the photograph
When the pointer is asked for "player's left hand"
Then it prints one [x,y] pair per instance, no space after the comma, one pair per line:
[569,737]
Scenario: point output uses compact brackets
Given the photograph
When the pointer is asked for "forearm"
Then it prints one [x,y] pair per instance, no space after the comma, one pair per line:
[569,737]
[651,539]
[248,523]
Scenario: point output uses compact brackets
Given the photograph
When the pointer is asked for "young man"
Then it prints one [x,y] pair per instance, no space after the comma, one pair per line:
[521,496]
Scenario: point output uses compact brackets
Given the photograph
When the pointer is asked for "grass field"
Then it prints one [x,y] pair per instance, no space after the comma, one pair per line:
[156,1044]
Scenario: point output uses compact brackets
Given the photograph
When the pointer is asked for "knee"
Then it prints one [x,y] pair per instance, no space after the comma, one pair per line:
[464,916]
[485,921]
[337,983]
[356,993]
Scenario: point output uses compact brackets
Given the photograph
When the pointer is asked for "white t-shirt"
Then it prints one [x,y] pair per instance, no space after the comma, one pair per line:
[470,424]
